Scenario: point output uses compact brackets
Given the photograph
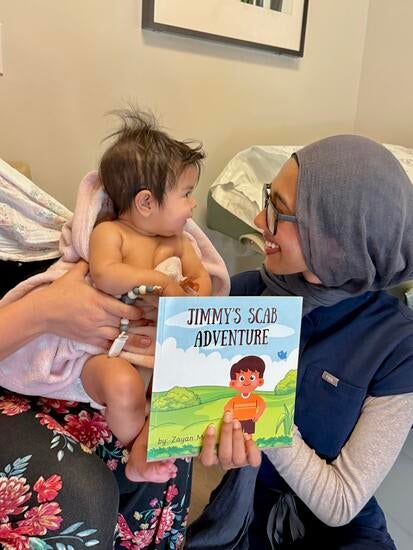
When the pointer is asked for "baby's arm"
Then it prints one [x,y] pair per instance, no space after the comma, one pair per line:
[193,269]
[108,271]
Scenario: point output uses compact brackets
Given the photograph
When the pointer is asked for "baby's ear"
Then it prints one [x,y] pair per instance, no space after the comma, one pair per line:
[144,202]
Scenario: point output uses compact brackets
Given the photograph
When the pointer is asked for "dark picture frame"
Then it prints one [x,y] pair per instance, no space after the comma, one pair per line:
[259,28]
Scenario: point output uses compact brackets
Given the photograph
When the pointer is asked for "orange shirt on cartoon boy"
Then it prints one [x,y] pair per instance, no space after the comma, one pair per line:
[246,377]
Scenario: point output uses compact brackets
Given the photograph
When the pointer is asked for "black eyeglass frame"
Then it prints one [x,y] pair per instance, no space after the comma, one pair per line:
[272,216]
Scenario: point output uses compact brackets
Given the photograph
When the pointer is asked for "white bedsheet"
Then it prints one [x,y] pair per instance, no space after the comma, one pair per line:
[239,186]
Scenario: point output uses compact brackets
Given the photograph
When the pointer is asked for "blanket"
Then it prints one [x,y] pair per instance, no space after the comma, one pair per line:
[49,365]
[31,220]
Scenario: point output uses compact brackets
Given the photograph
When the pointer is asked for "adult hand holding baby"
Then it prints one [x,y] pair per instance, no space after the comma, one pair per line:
[70,307]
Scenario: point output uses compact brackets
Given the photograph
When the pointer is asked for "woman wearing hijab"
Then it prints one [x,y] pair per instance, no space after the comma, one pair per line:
[338,229]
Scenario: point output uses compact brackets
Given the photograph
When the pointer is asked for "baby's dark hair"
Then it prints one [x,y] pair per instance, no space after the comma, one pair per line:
[144,157]
[250,362]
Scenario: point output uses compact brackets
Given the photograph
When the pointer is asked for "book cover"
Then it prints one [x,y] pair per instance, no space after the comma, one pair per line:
[223,353]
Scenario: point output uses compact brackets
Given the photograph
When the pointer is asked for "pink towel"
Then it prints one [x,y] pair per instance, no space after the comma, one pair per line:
[50,366]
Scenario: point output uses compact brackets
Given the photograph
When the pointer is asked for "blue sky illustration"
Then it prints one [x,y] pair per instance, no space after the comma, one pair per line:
[283,335]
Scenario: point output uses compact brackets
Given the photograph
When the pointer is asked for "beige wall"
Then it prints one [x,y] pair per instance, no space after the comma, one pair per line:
[385,106]
[68,62]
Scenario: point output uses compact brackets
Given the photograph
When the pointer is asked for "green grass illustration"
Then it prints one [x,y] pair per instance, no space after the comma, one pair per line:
[178,430]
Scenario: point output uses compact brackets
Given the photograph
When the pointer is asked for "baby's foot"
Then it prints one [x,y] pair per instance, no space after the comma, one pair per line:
[138,469]
[155,472]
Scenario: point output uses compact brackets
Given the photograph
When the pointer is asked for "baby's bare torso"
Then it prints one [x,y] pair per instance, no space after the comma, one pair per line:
[146,252]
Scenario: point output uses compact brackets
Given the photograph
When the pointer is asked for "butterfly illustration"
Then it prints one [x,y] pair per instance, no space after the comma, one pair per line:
[282,355]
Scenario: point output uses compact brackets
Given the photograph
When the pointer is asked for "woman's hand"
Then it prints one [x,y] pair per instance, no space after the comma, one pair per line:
[141,340]
[235,449]
[70,307]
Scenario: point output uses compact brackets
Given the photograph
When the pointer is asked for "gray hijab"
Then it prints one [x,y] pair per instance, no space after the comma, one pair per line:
[355,221]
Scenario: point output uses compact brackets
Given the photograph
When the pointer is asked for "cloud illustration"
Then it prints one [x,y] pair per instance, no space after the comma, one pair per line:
[193,368]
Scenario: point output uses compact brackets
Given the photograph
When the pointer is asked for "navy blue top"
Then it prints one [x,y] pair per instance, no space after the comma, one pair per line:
[366,342]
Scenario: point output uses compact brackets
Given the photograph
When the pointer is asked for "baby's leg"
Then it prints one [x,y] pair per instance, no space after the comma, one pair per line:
[116,384]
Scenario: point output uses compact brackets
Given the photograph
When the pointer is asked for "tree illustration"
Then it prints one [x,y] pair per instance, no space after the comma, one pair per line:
[287,384]
[176,398]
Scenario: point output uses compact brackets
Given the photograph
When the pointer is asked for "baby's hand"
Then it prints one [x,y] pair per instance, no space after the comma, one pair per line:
[190,286]
[174,289]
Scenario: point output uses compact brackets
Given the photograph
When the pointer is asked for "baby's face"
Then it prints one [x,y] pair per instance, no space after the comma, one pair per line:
[178,204]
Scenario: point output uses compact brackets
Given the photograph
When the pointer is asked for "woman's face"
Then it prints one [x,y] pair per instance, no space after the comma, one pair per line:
[283,250]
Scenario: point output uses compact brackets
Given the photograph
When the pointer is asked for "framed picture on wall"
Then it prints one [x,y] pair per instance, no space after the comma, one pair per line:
[274,25]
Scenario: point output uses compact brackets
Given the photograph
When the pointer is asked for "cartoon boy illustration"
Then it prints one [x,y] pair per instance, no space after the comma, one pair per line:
[247,376]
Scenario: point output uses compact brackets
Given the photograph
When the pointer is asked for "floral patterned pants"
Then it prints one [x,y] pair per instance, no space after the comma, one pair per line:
[62,483]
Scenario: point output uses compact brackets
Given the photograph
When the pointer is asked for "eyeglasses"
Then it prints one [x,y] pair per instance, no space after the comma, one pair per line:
[271,213]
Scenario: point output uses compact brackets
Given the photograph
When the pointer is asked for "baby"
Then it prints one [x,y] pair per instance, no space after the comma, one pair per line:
[150,178]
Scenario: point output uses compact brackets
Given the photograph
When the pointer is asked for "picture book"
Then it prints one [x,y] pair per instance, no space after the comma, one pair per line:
[217,354]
